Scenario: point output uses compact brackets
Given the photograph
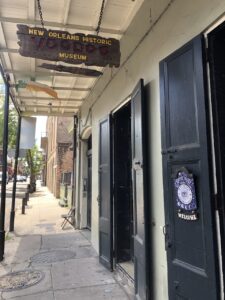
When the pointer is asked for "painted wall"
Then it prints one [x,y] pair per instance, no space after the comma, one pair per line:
[159,28]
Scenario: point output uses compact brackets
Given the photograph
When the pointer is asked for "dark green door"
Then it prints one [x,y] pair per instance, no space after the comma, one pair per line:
[191,245]
[140,214]
[89,188]
[105,194]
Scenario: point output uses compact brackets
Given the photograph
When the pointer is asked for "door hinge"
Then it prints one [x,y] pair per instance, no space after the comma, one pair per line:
[98,200]
[169,151]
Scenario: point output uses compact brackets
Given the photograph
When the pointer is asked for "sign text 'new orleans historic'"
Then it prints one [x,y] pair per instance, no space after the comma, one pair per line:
[63,46]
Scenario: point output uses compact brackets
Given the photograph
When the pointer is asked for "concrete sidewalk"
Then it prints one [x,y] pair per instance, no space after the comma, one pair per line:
[62,261]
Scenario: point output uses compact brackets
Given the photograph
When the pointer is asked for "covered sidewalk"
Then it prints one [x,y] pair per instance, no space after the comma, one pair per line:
[68,266]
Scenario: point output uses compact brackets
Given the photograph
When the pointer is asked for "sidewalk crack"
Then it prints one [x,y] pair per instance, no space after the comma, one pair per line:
[2,297]
[41,244]
[53,291]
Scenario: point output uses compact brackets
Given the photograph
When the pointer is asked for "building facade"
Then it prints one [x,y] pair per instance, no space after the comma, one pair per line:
[150,159]
[59,152]
[150,155]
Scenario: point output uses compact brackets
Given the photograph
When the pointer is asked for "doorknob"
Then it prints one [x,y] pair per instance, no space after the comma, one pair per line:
[168,243]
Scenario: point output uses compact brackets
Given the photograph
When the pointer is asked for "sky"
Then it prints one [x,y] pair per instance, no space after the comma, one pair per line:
[40,129]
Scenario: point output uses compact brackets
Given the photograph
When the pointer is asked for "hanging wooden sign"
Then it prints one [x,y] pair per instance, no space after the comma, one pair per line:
[77,48]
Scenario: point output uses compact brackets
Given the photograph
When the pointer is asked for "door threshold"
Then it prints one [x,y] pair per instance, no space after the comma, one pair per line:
[125,280]
[127,268]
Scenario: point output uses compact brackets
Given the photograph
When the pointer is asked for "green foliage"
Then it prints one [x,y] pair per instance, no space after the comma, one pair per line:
[34,160]
[13,123]
[13,120]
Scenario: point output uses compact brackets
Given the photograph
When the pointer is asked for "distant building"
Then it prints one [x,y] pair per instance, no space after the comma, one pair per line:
[59,155]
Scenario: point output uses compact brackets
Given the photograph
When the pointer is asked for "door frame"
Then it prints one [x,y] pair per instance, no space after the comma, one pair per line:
[215,159]
[139,162]
[114,204]
[138,88]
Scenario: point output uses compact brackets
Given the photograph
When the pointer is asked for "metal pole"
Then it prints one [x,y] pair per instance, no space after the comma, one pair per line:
[75,121]
[74,158]
[78,161]
[12,213]
[4,171]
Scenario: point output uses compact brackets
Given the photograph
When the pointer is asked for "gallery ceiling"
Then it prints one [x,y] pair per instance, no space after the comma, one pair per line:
[74,16]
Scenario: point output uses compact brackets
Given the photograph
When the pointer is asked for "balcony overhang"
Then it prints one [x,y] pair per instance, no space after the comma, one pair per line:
[72,16]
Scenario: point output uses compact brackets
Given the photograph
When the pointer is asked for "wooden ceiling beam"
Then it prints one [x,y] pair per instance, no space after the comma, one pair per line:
[60,88]
[44,74]
[33,98]
[38,113]
[59,25]
[67,4]
[29,107]
[8,50]
[31,15]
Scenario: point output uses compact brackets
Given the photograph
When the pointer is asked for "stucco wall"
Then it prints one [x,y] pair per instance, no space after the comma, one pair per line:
[159,28]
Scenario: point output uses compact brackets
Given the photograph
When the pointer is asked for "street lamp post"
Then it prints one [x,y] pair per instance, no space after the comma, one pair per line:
[4,170]
[12,213]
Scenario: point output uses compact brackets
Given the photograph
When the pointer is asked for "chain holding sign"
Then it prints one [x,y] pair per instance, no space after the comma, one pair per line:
[186,202]
[77,48]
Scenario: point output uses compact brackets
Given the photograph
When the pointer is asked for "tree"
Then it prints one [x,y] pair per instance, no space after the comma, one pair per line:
[13,121]
[34,160]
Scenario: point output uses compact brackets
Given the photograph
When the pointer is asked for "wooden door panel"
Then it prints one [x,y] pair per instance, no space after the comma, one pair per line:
[139,190]
[191,245]
[105,194]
